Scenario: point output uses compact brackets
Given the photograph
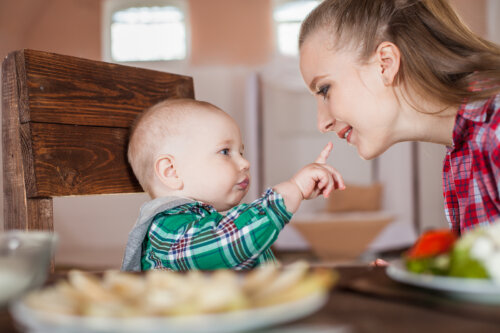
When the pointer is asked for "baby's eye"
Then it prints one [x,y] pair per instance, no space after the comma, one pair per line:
[323,90]
[224,151]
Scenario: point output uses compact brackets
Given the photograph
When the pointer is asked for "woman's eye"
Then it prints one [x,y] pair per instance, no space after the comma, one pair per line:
[224,151]
[323,90]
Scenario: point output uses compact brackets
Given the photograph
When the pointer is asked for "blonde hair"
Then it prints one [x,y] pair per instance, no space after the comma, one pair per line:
[153,131]
[440,56]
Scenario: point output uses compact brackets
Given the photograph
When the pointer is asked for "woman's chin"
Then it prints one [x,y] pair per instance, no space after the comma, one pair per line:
[369,153]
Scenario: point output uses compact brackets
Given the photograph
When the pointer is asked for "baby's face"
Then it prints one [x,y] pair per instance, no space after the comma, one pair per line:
[211,165]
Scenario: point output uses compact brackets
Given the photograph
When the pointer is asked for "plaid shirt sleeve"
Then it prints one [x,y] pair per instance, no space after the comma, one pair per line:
[196,236]
[471,169]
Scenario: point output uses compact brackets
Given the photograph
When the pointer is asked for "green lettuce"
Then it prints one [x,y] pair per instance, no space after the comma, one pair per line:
[461,263]
[438,265]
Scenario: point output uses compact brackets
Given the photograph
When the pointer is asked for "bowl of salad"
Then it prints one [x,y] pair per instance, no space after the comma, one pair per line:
[466,267]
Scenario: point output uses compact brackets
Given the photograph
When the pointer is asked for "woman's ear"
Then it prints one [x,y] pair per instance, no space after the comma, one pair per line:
[166,172]
[388,58]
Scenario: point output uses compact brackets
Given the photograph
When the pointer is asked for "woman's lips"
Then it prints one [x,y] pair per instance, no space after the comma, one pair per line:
[348,138]
[345,133]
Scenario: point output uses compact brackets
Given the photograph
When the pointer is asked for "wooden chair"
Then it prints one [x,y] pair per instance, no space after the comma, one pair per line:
[65,123]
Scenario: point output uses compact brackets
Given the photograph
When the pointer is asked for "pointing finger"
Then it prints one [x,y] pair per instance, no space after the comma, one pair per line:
[337,177]
[324,153]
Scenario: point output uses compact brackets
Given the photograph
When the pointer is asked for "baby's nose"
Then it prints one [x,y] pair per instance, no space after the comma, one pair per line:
[244,164]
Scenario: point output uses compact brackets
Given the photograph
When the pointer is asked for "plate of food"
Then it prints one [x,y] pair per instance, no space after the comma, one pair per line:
[466,267]
[166,301]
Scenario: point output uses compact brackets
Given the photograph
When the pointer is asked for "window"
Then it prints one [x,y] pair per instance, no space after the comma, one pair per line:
[146,31]
[288,15]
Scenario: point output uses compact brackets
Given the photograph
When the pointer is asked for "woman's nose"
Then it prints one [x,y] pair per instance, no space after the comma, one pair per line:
[325,121]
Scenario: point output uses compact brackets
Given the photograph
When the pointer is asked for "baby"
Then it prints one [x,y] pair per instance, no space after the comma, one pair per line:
[188,156]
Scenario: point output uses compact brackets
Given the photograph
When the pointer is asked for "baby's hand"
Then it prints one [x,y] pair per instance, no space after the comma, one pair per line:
[314,179]
[318,178]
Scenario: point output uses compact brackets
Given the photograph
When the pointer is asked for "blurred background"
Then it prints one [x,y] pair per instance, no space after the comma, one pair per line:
[242,56]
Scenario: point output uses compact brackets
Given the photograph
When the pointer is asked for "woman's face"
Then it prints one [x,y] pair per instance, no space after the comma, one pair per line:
[352,99]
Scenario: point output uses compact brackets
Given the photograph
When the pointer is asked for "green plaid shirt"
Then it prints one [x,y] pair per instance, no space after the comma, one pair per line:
[196,236]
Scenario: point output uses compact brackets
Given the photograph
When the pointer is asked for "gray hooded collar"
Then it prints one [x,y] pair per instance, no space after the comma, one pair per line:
[133,251]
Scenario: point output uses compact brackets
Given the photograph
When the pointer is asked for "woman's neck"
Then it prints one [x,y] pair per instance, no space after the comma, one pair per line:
[428,122]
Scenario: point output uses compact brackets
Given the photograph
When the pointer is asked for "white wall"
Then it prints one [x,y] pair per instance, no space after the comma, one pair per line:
[430,194]
[493,26]
[396,169]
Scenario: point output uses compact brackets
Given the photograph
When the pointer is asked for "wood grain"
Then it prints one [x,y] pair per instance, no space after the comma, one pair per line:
[79,160]
[65,123]
[15,208]
[70,90]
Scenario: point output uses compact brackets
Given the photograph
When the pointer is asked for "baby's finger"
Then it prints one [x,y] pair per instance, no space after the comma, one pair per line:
[337,177]
[328,188]
[324,180]
[327,182]
[324,153]
[334,183]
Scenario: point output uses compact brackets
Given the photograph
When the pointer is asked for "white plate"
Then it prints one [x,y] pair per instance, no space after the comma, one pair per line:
[39,321]
[476,290]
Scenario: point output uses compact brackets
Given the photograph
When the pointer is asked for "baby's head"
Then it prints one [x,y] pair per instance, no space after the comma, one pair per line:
[192,149]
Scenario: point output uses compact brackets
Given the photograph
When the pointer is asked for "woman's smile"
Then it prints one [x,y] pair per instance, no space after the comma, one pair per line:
[345,133]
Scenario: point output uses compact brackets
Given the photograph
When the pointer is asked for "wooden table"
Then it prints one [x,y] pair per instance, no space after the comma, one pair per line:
[366,300]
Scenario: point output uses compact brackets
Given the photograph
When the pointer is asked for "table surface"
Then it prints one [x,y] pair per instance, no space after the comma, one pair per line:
[366,300]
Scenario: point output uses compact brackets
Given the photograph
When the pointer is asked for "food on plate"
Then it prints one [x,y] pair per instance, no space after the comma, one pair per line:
[168,293]
[430,253]
[476,254]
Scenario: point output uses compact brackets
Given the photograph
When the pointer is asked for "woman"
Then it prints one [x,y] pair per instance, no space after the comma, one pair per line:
[386,71]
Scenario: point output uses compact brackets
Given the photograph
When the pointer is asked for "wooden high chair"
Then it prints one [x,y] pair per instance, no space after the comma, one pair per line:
[65,123]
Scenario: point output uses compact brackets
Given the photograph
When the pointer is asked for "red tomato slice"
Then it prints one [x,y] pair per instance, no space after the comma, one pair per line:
[432,243]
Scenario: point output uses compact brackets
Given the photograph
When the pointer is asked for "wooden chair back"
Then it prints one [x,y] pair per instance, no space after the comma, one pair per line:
[65,124]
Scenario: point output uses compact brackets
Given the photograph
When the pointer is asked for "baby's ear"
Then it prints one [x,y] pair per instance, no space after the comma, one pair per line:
[166,172]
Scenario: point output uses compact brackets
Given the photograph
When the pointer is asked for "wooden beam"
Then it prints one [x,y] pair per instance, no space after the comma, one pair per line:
[76,91]
[78,160]
[14,199]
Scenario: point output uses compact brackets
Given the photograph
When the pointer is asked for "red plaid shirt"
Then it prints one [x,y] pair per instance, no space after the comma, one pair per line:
[471,170]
